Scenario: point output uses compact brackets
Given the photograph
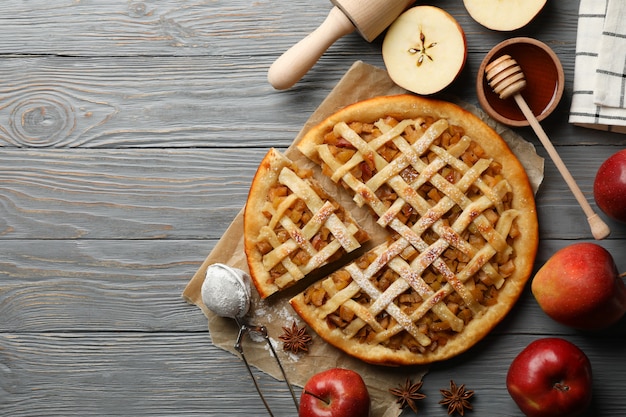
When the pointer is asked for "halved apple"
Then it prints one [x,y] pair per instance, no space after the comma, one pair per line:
[424,50]
[504,15]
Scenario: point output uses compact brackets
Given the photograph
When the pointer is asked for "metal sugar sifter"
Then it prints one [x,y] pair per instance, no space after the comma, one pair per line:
[226,292]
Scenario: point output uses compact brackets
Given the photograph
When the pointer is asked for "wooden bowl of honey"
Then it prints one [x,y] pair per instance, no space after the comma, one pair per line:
[544,81]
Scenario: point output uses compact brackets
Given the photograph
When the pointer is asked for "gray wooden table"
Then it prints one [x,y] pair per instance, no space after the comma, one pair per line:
[129,134]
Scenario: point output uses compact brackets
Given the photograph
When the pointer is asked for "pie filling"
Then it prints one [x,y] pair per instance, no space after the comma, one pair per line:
[448,208]
[310,229]
[300,227]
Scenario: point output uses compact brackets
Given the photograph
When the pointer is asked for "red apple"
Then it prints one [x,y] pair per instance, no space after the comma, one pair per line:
[609,187]
[550,377]
[579,286]
[336,392]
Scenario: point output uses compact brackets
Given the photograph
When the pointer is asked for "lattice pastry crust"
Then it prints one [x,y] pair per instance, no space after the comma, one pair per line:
[462,222]
[291,226]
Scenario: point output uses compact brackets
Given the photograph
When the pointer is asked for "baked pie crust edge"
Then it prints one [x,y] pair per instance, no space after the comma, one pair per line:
[265,176]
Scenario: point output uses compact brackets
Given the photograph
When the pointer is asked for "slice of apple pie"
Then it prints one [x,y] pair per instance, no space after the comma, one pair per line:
[462,230]
[292,226]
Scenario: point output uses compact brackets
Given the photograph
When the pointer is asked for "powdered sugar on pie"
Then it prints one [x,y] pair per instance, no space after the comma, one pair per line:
[291,226]
[462,230]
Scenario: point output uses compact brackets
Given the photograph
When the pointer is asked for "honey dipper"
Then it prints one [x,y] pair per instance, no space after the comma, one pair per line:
[507,79]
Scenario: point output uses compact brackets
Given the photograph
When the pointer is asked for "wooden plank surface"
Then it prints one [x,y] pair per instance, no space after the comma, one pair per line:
[129,134]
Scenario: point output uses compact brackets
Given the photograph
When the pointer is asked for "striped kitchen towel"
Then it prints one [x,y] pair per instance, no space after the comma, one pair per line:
[599,97]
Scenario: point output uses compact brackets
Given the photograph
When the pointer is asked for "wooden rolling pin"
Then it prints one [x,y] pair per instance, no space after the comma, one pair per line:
[369,17]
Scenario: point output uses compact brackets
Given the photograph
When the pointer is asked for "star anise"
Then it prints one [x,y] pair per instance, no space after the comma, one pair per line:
[456,398]
[295,339]
[408,394]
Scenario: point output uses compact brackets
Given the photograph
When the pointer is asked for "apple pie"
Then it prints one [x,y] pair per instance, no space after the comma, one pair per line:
[462,225]
[292,226]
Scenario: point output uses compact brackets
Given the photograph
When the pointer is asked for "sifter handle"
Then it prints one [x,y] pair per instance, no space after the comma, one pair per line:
[297,60]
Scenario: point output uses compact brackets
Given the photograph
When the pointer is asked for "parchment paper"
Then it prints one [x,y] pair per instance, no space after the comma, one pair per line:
[362,81]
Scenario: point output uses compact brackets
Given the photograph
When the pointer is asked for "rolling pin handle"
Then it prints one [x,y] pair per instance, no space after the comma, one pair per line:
[300,58]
